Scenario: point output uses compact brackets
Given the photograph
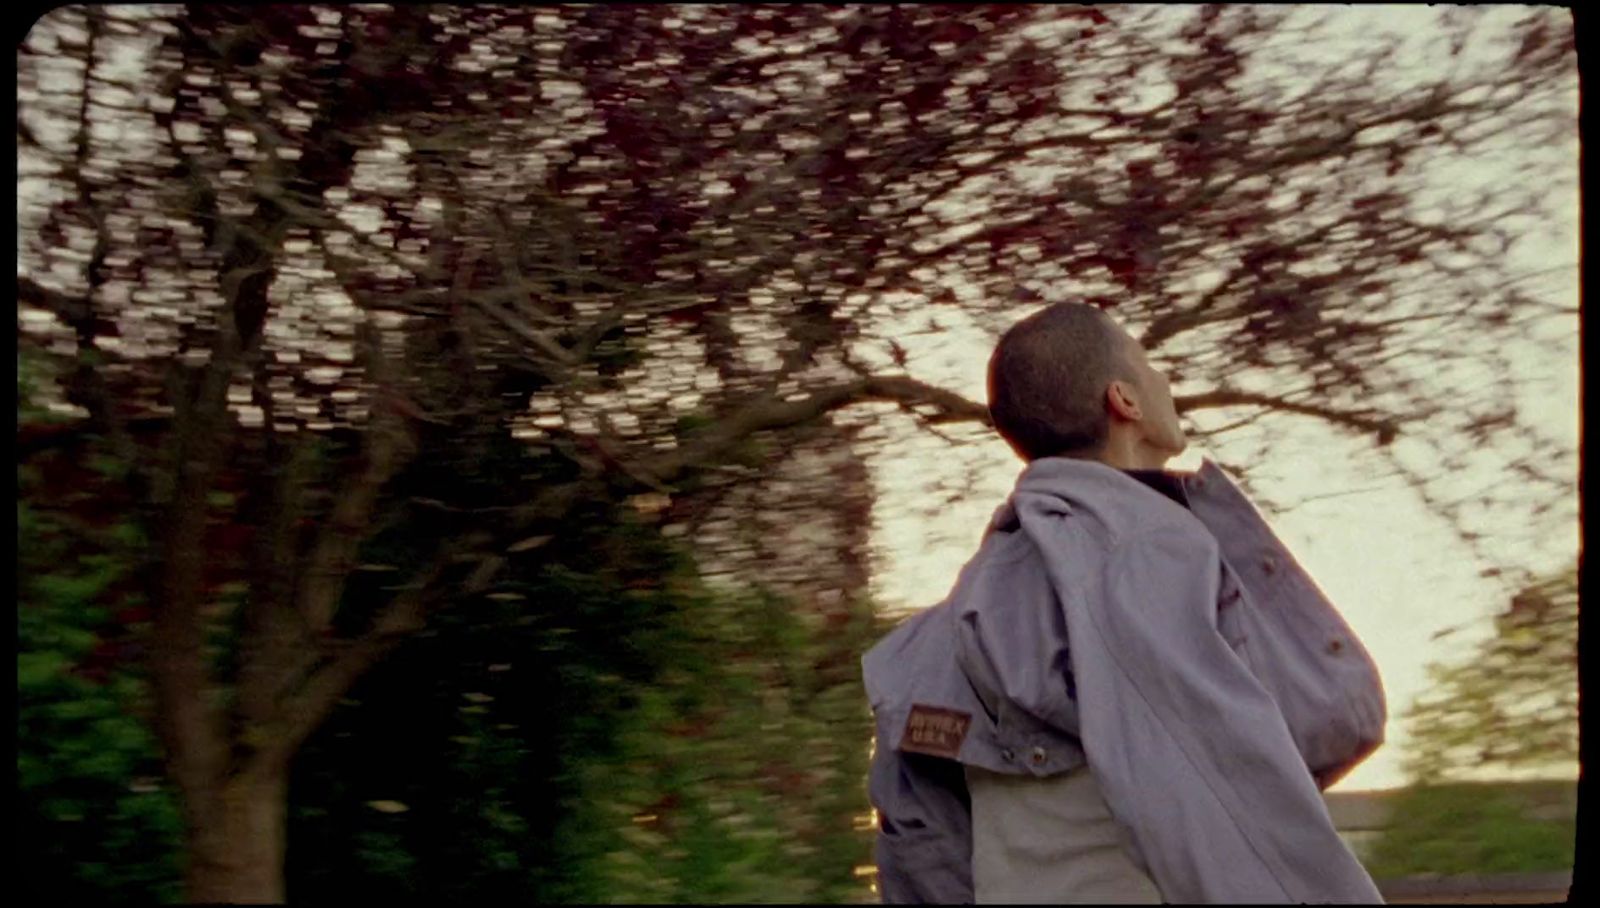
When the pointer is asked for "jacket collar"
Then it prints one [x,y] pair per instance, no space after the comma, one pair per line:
[1168,483]
[1052,475]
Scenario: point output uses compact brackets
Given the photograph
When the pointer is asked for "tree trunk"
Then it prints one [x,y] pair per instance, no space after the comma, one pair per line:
[237,842]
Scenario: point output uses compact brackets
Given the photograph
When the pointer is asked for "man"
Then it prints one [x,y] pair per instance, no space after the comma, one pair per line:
[1133,693]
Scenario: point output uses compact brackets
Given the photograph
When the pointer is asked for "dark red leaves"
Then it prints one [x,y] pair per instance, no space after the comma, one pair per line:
[1376,200]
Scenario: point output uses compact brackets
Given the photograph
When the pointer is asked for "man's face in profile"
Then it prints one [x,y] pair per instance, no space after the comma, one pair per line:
[1160,424]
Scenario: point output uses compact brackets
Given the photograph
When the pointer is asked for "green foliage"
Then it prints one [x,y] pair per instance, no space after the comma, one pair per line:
[512,748]
[1512,707]
[741,782]
[1514,704]
[96,824]
[508,750]
[695,421]
[1469,829]
[35,374]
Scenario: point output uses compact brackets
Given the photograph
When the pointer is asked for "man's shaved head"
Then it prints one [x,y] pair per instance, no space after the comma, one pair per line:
[1048,379]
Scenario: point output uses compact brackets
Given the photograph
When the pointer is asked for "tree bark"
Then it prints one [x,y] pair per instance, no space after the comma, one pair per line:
[237,842]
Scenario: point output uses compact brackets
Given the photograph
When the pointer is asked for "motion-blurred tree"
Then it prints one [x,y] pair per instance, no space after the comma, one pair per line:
[1512,705]
[1509,709]
[356,250]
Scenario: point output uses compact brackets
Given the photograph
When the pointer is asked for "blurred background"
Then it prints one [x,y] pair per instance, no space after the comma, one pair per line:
[464,451]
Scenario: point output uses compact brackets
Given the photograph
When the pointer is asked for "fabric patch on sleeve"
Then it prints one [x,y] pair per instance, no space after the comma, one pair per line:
[935,731]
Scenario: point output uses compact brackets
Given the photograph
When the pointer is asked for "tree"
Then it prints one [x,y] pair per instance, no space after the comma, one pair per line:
[591,736]
[600,727]
[351,252]
[1511,706]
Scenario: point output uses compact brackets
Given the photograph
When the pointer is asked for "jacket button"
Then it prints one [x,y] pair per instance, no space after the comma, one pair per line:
[1007,755]
[1335,647]
[1038,756]
[1270,565]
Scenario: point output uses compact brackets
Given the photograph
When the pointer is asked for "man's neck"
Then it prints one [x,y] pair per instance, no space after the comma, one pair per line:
[1129,454]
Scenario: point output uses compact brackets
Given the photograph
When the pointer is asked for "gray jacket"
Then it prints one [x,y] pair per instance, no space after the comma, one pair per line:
[1181,652]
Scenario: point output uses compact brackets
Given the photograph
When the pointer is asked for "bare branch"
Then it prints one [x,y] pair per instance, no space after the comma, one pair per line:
[306,709]
[1365,421]
[385,445]
[766,412]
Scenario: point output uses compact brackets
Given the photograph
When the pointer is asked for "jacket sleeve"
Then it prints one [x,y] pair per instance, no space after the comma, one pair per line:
[1325,683]
[1191,752]
[923,848]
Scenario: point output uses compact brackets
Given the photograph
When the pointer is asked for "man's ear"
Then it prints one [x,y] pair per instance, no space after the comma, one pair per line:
[1122,403]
